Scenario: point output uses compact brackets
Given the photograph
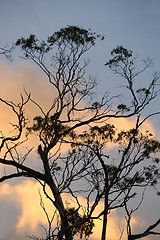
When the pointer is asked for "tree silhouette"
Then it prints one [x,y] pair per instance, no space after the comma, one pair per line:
[83,124]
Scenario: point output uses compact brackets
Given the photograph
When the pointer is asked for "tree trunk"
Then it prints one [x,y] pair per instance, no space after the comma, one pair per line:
[104,228]
[65,230]
[105,218]
[58,202]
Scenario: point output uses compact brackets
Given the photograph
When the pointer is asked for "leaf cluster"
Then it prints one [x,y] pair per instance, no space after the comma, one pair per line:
[98,135]
[47,128]
[71,34]
[120,54]
[33,44]
[82,226]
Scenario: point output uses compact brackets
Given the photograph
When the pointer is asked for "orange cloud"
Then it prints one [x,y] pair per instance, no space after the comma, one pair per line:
[14,79]
[25,195]
[32,214]
[129,123]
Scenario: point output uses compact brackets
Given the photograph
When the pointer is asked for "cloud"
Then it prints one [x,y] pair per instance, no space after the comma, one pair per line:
[15,78]
[26,199]
[114,228]
[21,203]
[129,123]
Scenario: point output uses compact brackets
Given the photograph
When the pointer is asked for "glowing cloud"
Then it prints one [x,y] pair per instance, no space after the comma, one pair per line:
[26,197]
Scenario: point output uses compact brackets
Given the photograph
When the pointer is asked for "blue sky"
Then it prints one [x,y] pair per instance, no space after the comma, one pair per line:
[135,24]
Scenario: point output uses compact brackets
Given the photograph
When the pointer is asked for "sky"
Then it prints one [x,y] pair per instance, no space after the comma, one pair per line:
[135,24]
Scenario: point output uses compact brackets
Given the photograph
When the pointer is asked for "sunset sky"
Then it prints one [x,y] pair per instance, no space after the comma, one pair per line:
[135,24]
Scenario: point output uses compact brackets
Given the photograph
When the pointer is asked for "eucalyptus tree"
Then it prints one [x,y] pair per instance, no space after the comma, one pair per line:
[76,120]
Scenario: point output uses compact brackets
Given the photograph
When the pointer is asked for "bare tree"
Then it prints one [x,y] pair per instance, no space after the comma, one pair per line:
[7,51]
[150,230]
[87,168]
